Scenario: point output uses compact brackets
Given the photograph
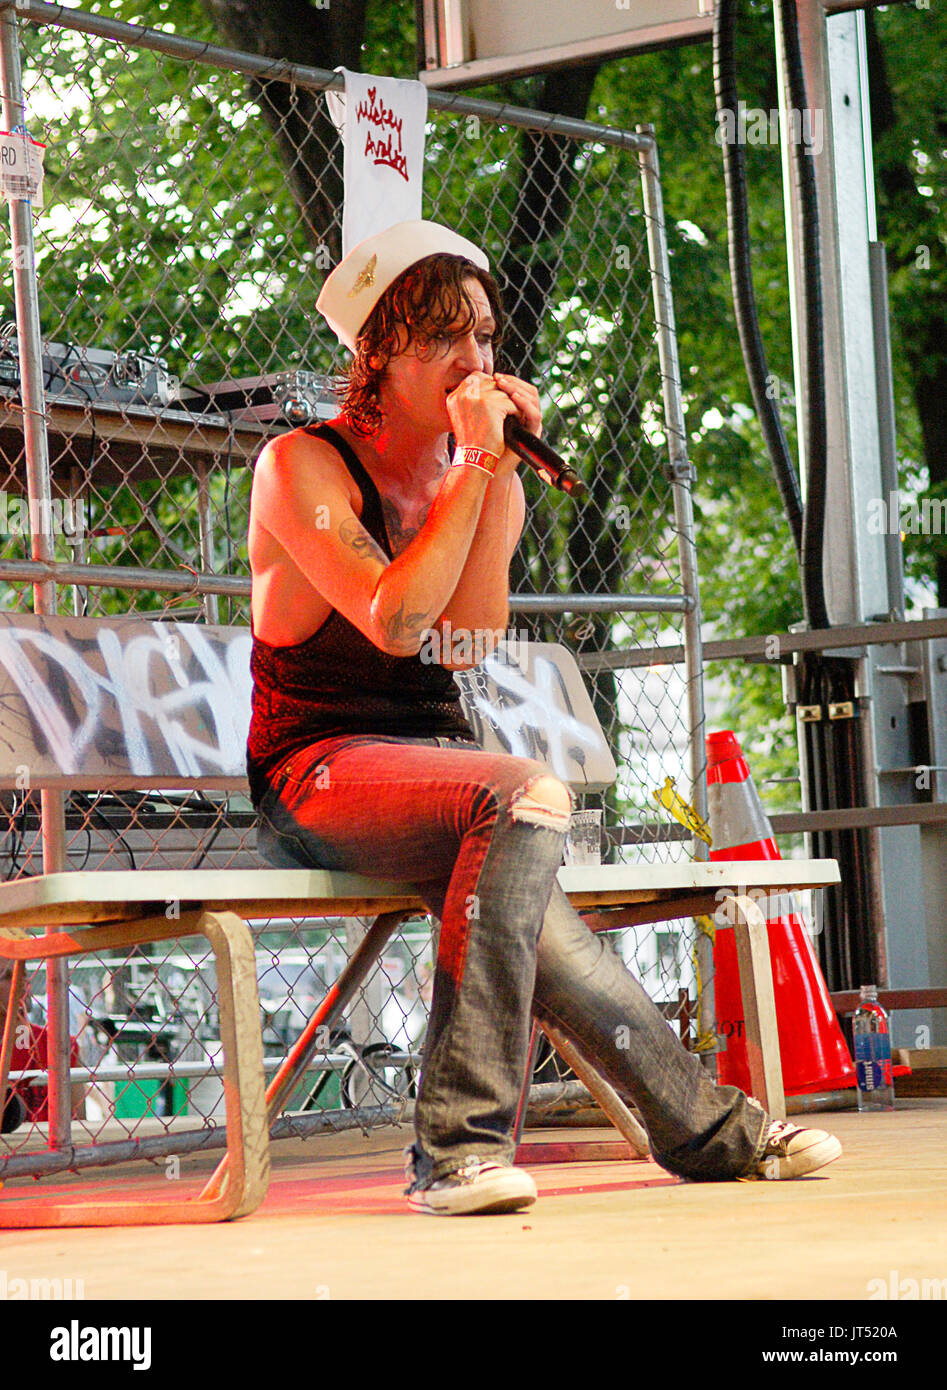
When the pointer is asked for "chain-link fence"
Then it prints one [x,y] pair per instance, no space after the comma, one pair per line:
[190,212]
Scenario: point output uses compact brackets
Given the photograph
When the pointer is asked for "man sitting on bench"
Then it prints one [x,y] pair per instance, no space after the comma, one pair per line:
[366,536]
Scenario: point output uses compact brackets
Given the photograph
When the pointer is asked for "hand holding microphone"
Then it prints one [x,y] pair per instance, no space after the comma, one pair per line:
[542,460]
[470,414]
[530,448]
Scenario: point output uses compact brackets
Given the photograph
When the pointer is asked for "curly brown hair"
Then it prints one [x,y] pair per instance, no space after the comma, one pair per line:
[430,301]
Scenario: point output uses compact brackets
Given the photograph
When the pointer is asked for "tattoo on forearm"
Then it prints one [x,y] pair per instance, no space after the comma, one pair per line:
[353,534]
[405,628]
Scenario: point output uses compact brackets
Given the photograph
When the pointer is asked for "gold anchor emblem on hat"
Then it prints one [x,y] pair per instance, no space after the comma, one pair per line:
[365,277]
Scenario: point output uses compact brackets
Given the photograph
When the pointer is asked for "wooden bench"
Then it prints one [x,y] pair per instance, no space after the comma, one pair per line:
[132,704]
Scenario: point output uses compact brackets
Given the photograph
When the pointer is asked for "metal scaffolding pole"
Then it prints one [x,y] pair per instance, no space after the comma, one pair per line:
[681,474]
[39,492]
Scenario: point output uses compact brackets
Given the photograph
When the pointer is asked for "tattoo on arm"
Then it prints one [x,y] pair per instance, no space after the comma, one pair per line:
[353,534]
[404,629]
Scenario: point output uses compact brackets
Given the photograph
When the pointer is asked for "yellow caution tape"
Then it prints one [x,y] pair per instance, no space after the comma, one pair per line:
[706,1042]
[671,799]
[706,926]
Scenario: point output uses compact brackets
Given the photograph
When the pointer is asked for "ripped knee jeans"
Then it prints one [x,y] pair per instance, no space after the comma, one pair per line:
[473,831]
[481,837]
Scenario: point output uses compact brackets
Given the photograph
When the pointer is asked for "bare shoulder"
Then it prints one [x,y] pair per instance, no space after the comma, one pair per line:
[300,464]
[299,450]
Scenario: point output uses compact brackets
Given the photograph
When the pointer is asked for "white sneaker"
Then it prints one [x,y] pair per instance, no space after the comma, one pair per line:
[792,1152]
[477,1187]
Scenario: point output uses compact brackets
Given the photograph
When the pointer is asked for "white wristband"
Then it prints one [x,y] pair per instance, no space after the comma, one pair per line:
[475,458]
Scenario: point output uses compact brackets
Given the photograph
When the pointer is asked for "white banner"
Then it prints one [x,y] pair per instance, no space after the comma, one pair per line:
[21,168]
[382,121]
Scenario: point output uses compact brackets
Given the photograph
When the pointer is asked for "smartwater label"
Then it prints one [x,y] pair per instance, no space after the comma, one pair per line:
[872,1061]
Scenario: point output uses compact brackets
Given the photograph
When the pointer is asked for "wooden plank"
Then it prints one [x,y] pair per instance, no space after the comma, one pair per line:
[75,899]
[929,1081]
[531,1151]
[846,1001]
[759,1006]
[921,1058]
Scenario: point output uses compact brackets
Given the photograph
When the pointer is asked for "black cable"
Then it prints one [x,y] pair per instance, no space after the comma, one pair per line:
[94,814]
[813,537]
[59,369]
[834,756]
[198,390]
[15,833]
[741,271]
[806,524]
[205,850]
[853,845]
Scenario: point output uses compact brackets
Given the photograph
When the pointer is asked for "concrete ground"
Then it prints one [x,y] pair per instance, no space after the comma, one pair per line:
[871,1227]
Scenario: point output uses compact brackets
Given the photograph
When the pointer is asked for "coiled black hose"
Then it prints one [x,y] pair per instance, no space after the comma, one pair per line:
[741,274]
[813,533]
[807,525]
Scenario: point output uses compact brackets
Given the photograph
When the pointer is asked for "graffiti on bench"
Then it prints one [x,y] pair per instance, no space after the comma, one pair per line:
[83,699]
[90,702]
[528,698]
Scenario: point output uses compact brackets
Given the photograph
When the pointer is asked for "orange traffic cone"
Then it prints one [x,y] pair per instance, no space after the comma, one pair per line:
[812,1049]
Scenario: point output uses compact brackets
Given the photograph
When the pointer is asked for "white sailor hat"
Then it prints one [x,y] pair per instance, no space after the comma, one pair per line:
[360,279]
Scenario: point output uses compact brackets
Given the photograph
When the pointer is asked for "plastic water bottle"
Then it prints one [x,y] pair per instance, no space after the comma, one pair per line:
[872,1053]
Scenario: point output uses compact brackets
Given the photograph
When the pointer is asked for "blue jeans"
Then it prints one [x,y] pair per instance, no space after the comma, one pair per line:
[460,823]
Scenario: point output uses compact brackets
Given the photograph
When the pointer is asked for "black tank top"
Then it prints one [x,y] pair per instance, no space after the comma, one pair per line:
[337,681]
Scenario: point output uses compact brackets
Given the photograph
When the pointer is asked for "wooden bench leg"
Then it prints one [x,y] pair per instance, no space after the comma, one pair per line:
[608,1098]
[241,1037]
[17,982]
[759,1005]
[520,1123]
[315,1035]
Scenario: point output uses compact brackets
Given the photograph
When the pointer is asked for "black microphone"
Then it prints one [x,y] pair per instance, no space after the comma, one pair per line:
[543,460]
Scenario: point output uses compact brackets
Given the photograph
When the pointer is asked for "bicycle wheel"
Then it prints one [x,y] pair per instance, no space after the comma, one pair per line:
[368,1081]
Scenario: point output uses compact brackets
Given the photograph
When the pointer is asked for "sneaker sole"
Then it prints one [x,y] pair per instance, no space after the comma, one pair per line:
[797,1165]
[818,1155]
[479,1199]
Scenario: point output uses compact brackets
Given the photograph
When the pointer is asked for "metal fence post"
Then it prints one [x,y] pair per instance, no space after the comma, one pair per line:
[39,493]
[681,474]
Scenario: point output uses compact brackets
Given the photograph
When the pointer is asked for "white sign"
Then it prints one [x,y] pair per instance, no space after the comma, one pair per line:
[470,41]
[382,121]
[21,168]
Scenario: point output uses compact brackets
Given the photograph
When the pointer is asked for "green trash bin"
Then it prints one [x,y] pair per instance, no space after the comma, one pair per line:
[138,1098]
